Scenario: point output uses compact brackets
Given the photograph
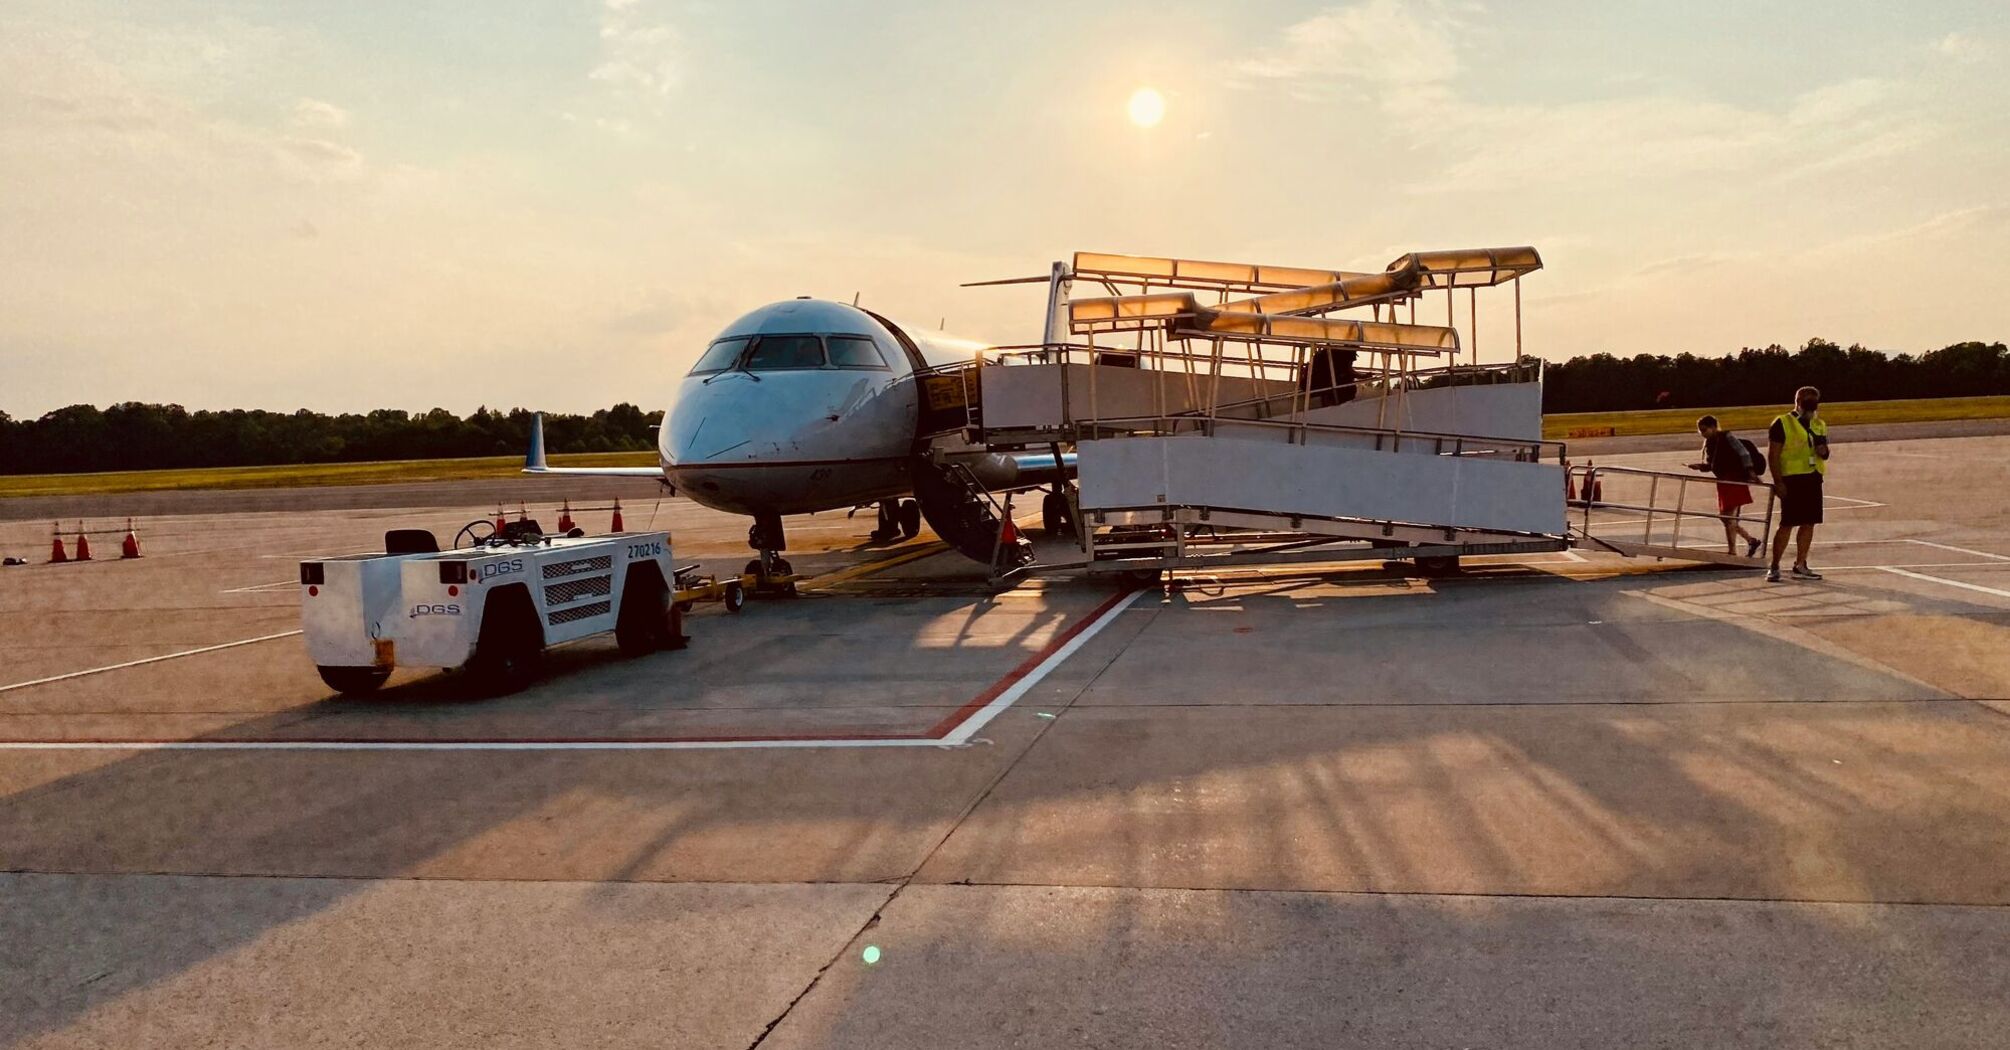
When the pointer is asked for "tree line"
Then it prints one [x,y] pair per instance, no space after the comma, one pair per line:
[1608,383]
[137,436]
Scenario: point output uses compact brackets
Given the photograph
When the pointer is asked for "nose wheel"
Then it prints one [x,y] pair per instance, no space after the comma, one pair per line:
[772,574]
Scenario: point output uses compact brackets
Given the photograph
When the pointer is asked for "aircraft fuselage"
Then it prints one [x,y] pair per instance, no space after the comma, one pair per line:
[800,406]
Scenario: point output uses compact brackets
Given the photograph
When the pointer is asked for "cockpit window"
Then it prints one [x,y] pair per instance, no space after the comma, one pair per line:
[721,355]
[786,351]
[855,351]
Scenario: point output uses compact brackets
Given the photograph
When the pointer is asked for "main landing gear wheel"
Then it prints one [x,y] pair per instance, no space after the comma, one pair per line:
[1056,517]
[888,526]
[354,681]
[909,516]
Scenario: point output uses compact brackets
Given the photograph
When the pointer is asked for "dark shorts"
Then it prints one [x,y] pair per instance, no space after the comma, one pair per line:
[1801,499]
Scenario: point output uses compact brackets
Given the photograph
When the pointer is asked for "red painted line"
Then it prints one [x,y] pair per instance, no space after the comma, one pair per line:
[751,739]
[941,729]
[957,718]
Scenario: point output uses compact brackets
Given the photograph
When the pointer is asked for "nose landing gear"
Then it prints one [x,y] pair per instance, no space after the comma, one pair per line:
[772,573]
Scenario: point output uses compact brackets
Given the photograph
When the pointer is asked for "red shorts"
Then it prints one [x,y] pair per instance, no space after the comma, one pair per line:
[1731,497]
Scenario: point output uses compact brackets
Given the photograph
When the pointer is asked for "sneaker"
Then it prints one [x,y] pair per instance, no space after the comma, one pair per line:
[1773,574]
[1802,572]
[1751,548]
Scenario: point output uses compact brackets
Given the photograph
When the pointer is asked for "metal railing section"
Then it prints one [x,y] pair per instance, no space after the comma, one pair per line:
[1587,483]
[1518,450]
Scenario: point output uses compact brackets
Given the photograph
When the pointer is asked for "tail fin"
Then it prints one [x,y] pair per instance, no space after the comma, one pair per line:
[534,458]
[534,462]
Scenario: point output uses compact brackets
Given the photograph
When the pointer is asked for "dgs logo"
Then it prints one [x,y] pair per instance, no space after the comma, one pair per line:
[433,610]
[491,570]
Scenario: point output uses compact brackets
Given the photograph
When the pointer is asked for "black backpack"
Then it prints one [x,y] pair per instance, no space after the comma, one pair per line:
[1754,462]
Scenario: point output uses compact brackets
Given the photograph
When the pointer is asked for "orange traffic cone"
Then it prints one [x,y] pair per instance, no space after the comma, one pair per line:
[1009,533]
[617,527]
[500,520]
[130,547]
[83,544]
[1569,483]
[565,517]
[56,551]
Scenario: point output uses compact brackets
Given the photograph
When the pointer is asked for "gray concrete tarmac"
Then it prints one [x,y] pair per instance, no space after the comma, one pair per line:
[1563,800]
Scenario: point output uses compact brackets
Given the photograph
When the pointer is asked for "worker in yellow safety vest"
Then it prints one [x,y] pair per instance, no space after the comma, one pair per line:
[1797,446]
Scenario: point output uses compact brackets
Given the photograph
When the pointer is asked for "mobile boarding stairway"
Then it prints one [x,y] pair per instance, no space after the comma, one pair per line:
[1220,414]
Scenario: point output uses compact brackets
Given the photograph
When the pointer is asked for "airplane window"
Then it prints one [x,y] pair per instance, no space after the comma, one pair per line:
[786,351]
[855,351]
[721,355]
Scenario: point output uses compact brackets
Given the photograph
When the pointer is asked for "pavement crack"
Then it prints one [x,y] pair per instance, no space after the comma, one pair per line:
[843,950]
[904,881]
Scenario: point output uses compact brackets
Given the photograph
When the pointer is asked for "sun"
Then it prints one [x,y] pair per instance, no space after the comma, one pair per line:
[1148,107]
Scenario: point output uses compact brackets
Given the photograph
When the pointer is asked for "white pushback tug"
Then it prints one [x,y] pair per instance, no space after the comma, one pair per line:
[491,605]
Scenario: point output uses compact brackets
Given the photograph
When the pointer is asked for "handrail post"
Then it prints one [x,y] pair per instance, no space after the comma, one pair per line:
[1681,490]
[1653,493]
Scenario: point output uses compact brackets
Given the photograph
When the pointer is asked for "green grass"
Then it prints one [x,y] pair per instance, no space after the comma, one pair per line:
[383,472]
[1749,419]
[1746,419]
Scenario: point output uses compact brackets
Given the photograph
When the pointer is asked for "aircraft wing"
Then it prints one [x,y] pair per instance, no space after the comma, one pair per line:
[534,461]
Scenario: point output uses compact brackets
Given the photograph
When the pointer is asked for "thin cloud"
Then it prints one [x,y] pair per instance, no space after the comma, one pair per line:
[1961,47]
[319,151]
[314,113]
[638,53]
[1404,59]
[1379,43]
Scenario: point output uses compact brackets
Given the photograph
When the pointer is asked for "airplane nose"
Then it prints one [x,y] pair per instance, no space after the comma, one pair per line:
[712,420]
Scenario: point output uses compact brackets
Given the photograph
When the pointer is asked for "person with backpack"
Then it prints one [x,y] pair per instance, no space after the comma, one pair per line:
[1733,461]
[1798,446]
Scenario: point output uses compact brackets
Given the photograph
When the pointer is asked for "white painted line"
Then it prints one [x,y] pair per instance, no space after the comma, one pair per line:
[256,587]
[449,745]
[1951,583]
[1960,550]
[148,660]
[1976,565]
[1859,504]
[963,733]
[958,737]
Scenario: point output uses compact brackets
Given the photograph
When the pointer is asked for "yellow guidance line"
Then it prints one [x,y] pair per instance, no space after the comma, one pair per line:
[853,572]
[867,568]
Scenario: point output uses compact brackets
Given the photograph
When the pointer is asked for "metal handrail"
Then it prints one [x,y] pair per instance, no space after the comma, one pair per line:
[1587,478]
[1526,450]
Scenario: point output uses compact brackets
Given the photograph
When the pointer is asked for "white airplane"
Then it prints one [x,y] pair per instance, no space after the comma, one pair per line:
[806,405]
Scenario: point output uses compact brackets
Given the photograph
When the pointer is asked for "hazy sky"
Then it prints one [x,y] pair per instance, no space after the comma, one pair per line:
[555,203]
